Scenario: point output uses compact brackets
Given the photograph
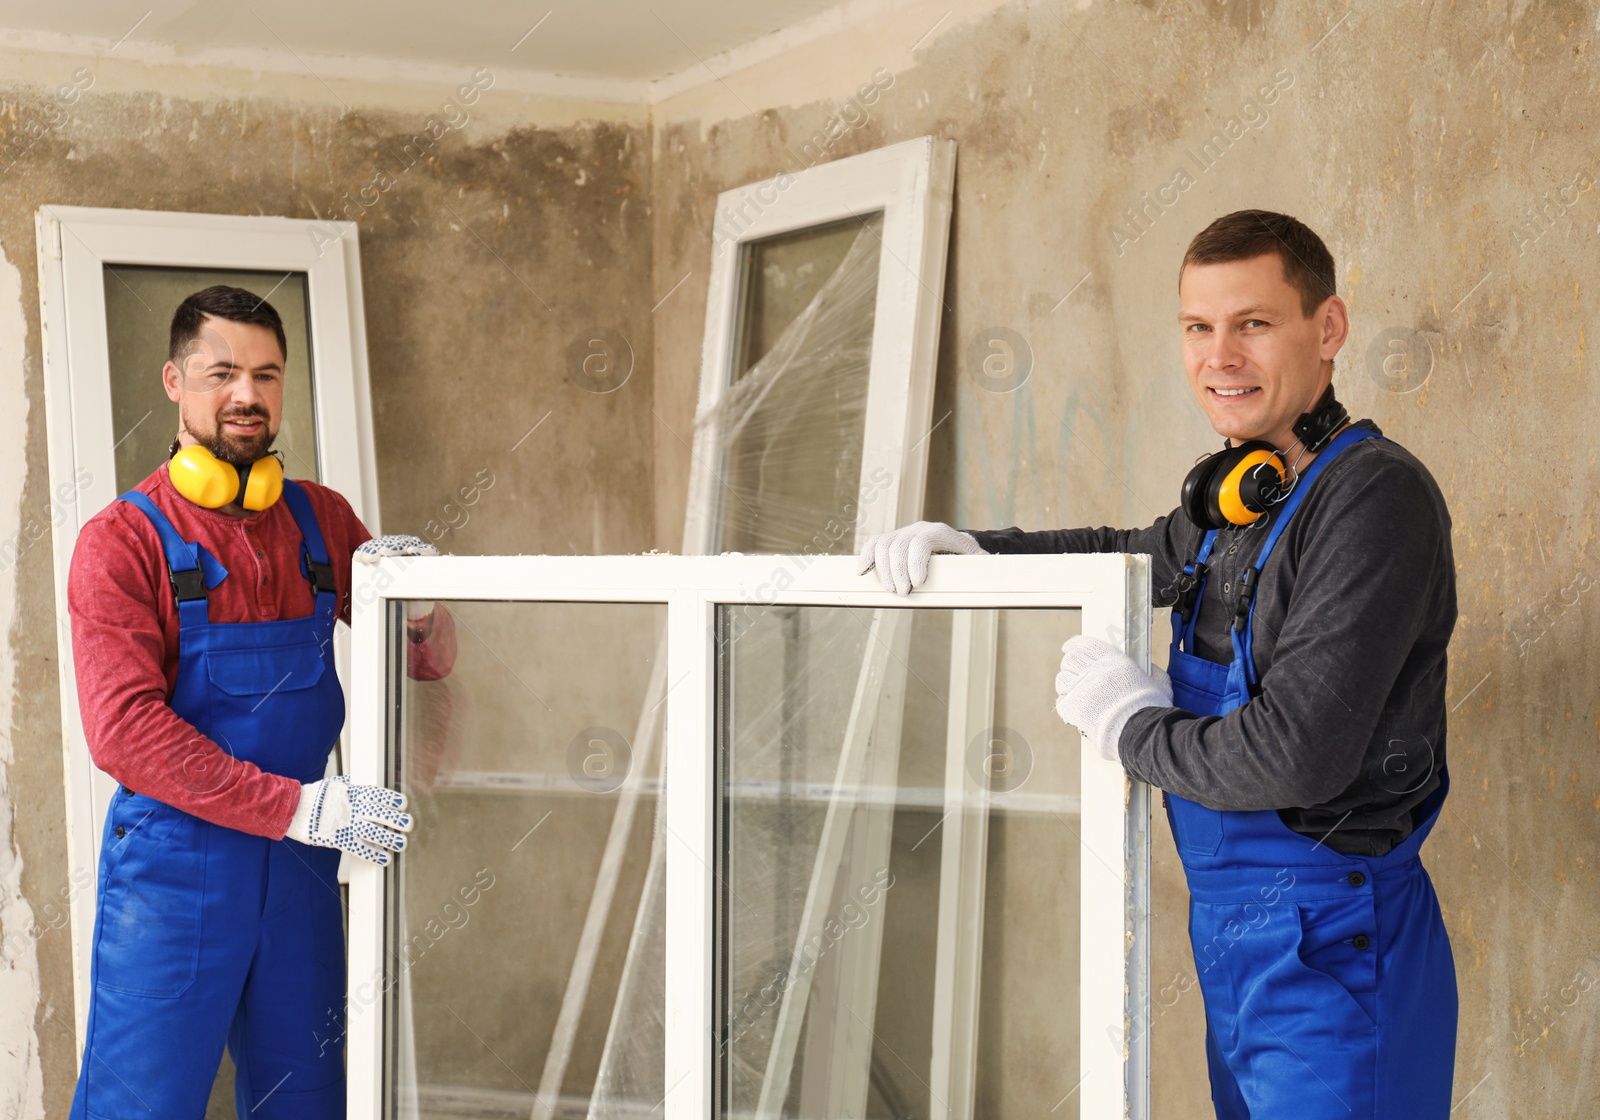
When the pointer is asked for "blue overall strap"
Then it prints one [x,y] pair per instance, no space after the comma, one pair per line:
[190,568]
[1347,438]
[1191,590]
[313,553]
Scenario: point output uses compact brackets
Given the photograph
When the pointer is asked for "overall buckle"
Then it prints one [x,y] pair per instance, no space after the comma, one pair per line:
[1188,589]
[1247,595]
[187,585]
[320,575]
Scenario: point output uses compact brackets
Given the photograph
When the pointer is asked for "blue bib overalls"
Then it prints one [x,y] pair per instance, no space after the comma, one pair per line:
[1328,980]
[205,934]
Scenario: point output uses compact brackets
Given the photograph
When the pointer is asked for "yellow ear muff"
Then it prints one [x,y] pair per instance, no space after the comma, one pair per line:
[1239,495]
[210,483]
[263,482]
[203,478]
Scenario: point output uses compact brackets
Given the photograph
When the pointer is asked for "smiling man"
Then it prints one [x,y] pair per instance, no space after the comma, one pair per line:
[1300,738]
[203,604]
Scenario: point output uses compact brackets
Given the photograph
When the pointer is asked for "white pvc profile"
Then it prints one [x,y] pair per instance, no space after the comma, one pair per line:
[1108,590]
[75,244]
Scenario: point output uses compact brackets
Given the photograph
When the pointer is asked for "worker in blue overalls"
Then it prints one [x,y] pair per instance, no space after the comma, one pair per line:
[1298,732]
[203,605]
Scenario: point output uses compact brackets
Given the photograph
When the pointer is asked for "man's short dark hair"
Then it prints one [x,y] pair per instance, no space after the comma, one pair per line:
[1243,234]
[221,302]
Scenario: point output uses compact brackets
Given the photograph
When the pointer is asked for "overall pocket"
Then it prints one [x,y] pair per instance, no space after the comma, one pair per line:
[1196,830]
[148,926]
[1339,951]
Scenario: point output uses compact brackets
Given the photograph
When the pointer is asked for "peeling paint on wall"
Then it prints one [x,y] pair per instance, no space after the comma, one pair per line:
[21,1073]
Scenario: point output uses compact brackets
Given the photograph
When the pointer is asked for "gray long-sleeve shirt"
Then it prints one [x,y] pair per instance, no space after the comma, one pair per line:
[1353,612]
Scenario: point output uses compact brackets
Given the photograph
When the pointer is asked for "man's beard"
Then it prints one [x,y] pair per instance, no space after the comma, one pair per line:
[238,451]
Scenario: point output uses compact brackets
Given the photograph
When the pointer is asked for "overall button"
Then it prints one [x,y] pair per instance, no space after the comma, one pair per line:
[1357,879]
[1361,941]
[121,832]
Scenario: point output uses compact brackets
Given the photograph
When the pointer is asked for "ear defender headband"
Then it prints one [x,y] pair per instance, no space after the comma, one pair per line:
[210,483]
[1236,485]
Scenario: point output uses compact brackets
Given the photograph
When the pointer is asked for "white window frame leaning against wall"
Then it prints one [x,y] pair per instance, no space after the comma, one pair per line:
[75,245]
[1112,592]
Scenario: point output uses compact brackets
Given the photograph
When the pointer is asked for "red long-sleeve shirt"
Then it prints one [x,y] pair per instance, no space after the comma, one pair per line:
[125,641]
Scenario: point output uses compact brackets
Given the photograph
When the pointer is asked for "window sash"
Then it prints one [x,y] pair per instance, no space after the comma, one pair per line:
[1111,591]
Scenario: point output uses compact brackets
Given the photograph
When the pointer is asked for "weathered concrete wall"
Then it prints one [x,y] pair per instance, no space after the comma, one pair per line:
[480,264]
[1448,158]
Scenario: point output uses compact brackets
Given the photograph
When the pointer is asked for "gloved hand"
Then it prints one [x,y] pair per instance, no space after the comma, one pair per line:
[901,557]
[362,820]
[1099,687]
[395,544]
[399,544]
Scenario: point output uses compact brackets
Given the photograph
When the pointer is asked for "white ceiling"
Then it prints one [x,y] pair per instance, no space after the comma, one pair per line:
[618,40]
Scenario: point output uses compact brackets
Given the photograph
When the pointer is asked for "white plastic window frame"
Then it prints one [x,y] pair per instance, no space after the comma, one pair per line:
[911,184]
[1111,591]
[75,245]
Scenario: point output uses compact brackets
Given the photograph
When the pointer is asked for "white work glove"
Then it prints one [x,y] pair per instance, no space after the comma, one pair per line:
[1099,687]
[901,557]
[399,544]
[361,820]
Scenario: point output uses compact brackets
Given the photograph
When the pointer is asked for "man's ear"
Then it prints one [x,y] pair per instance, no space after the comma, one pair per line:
[1334,322]
[170,379]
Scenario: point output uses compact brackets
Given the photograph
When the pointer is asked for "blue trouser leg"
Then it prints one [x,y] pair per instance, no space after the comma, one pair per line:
[1417,1004]
[1224,1089]
[165,975]
[287,1039]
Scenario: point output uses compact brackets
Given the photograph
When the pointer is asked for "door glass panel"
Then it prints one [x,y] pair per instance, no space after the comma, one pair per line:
[886,778]
[789,429]
[515,768]
[140,301]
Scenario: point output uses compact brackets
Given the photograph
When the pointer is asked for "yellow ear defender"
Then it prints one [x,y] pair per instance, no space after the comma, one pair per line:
[1235,486]
[209,482]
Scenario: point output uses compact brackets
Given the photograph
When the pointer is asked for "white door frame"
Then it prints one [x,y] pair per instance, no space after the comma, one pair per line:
[75,244]
[1111,591]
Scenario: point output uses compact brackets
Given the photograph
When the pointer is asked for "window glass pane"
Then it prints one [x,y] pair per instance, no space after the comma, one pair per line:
[789,431]
[782,275]
[515,767]
[140,300]
[887,776]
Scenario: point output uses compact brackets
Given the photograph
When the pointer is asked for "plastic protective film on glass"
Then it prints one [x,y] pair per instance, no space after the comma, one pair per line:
[898,864]
[515,766]
[788,431]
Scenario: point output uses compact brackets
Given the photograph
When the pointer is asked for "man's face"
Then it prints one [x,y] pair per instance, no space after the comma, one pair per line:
[1243,329]
[229,389]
